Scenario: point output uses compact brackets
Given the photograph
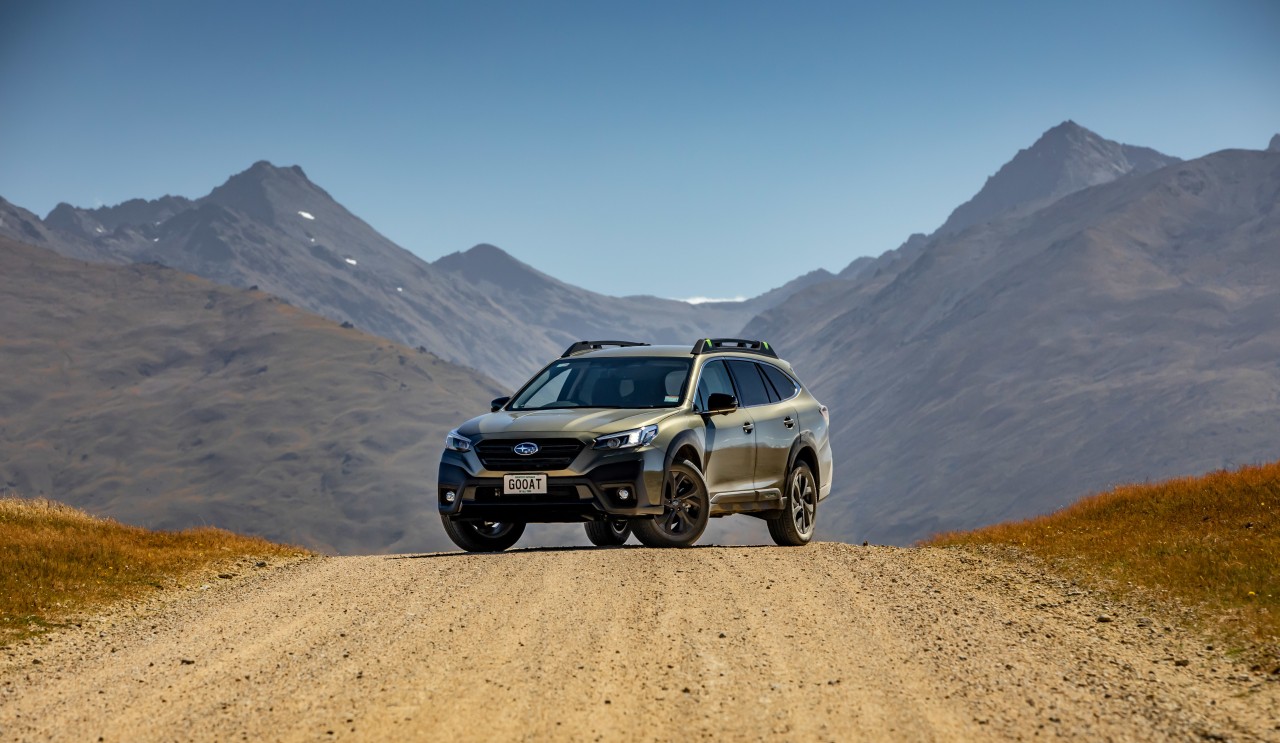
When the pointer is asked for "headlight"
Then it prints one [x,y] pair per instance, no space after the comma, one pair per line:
[628,439]
[457,442]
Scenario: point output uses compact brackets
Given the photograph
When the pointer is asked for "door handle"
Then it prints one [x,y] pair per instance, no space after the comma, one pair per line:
[789,422]
[748,427]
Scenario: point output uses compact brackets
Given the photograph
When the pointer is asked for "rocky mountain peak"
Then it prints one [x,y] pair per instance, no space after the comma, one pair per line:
[1275,144]
[264,169]
[71,220]
[487,252]
[265,189]
[1065,159]
[490,263]
[482,256]
[1068,131]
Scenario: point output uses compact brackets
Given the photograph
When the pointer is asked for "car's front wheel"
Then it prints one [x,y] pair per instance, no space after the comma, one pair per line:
[483,536]
[608,533]
[686,508]
[794,526]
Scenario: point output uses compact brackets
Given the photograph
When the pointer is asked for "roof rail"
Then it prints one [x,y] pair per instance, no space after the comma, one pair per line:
[741,345]
[581,346]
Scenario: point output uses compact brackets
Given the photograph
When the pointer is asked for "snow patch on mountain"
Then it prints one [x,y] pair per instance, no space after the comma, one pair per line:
[704,300]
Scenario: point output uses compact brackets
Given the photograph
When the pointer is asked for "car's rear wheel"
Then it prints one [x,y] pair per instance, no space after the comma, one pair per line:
[483,536]
[794,526]
[686,508]
[608,533]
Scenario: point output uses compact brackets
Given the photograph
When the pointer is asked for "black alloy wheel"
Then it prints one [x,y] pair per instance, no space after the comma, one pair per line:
[483,536]
[686,510]
[608,533]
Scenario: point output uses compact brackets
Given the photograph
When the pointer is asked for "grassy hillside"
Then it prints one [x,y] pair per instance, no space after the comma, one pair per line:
[1210,542]
[57,562]
[157,398]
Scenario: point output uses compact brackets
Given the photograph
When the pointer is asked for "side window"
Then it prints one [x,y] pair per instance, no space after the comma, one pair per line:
[715,378]
[749,383]
[784,384]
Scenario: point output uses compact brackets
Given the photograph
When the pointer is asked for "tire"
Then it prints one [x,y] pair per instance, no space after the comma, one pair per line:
[794,526]
[483,536]
[687,507]
[608,533]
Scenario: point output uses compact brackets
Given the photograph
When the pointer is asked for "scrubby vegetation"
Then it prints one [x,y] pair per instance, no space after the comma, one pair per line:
[57,562]
[1211,543]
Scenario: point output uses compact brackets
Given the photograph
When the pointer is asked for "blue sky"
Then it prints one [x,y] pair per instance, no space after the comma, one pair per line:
[679,149]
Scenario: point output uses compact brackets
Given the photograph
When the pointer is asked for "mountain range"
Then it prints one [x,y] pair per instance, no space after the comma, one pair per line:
[1124,330]
[272,228]
[1095,312]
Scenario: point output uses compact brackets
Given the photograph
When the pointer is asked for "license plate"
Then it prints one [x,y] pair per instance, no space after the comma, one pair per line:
[524,484]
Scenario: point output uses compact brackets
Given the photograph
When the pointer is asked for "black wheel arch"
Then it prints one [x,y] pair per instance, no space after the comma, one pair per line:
[805,449]
[689,443]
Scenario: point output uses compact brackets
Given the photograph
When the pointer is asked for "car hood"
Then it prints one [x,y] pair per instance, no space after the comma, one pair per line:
[562,422]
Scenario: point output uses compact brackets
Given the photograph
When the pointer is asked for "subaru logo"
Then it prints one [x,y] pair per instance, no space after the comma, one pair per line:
[526,449]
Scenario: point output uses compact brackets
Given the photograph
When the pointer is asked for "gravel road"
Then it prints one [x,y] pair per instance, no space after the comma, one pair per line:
[829,642]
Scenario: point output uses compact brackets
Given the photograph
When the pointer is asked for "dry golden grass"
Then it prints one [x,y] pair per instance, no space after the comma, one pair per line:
[57,561]
[1212,543]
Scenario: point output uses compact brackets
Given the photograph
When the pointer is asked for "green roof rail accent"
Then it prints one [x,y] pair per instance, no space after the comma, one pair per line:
[736,345]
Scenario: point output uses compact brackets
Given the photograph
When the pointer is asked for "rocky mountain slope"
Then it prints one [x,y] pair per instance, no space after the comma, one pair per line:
[546,304]
[21,225]
[273,228]
[1065,159]
[161,399]
[1126,330]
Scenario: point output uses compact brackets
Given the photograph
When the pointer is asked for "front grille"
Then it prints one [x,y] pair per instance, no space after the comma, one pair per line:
[553,454]
[554,494]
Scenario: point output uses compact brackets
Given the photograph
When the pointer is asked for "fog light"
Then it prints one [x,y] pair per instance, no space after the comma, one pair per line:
[450,496]
[624,494]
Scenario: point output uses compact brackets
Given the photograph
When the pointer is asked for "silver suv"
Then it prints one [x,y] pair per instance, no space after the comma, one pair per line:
[655,440]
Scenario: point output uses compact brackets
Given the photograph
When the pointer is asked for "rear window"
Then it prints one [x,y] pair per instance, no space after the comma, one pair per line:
[750,384]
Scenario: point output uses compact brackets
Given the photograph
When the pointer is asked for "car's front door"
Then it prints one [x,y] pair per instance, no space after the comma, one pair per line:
[731,451]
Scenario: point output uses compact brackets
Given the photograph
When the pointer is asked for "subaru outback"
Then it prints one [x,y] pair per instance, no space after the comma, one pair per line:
[652,440]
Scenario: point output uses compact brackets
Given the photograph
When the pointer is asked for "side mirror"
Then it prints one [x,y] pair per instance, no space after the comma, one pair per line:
[719,402]
[496,404]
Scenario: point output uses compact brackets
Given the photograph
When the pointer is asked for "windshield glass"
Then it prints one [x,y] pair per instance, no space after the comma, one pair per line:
[606,383]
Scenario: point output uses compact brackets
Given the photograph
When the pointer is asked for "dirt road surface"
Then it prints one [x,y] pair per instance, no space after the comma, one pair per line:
[829,642]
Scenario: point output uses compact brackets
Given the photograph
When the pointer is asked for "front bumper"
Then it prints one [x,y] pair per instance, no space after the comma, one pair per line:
[585,491]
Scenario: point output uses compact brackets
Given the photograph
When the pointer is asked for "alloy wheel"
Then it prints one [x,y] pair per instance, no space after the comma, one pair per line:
[682,504]
[493,529]
[803,502]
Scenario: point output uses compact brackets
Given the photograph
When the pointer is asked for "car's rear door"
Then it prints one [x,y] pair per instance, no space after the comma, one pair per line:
[731,451]
[775,420]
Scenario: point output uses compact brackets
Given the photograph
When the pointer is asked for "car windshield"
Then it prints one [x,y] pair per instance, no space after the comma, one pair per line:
[630,382]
